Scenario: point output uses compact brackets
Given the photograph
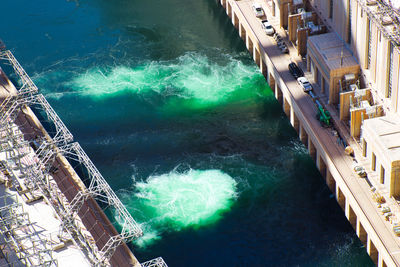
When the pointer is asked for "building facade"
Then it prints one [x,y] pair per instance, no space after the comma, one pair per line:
[352,49]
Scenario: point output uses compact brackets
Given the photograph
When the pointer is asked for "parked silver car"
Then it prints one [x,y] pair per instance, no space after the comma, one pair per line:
[258,10]
[267,27]
[307,87]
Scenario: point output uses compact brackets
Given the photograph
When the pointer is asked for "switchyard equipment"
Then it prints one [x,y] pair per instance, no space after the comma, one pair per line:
[385,17]
[157,262]
[22,244]
[39,165]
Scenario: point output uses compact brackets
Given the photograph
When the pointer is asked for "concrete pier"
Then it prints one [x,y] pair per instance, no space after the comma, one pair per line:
[93,219]
[352,193]
[69,183]
[35,171]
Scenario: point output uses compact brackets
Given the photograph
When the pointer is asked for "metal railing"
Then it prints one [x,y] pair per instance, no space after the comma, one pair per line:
[157,262]
[27,86]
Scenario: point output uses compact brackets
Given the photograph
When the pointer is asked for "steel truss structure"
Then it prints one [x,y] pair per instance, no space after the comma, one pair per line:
[27,86]
[36,179]
[11,107]
[38,173]
[24,243]
[380,12]
[99,189]
[157,262]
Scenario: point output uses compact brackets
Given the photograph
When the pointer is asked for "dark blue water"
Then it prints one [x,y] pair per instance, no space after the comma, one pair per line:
[166,89]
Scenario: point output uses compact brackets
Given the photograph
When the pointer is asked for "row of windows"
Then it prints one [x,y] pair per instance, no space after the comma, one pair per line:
[390,78]
[390,62]
[373,166]
[373,162]
[348,18]
[369,46]
[349,22]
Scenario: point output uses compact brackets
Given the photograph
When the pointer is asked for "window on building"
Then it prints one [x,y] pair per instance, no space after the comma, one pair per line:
[312,68]
[364,151]
[273,8]
[349,23]
[390,72]
[319,76]
[326,86]
[369,47]
[382,175]
[330,9]
[373,163]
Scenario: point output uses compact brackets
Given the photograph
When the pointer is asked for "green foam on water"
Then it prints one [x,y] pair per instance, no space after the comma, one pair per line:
[174,201]
[192,80]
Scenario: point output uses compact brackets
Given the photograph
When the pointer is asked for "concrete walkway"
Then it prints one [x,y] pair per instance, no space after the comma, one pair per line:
[353,193]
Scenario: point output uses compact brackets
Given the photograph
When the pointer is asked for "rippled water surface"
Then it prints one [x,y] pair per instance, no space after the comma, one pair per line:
[165,99]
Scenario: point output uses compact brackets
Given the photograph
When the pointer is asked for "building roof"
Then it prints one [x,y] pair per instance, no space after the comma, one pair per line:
[332,51]
[386,132]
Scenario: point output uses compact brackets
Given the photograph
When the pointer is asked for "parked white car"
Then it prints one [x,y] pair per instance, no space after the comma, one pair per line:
[307,87]
[258,10]
[267,27]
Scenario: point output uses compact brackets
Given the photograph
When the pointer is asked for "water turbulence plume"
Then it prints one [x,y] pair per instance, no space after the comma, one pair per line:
[191,78]
[178,200]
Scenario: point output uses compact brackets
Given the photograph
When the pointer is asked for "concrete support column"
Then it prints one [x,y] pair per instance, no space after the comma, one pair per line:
[229,9]
[351,215]
[235,20]
[341,199]
[242,32]
[381,261]
[257,57]
[308,63]
[286,107]
[303,136]
[311,149]
[330,181]
[278,94]
[237,23]
[372,251]
[294,120]
[264,70]
[271,82]
[249,45]
[361,233]
[321,166]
